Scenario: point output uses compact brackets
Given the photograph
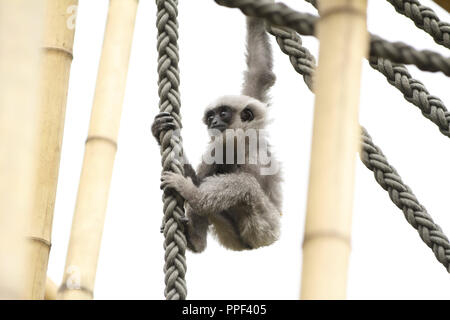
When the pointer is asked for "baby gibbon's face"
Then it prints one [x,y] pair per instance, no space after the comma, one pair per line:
[222,117]
[235,112]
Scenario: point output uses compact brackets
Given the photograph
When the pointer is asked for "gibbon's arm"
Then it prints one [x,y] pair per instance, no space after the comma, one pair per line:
[259,77]
[163,122]
[219,193]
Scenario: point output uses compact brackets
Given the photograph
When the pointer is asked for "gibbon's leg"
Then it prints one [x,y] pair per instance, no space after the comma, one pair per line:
[221,192]
[196,230]
[196,226]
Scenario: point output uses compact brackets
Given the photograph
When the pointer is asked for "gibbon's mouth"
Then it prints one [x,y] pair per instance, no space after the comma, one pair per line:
[219,127]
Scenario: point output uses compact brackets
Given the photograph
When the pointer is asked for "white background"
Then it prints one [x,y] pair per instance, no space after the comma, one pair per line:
[388,260]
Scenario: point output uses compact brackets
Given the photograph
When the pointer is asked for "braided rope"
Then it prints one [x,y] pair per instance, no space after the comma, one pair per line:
[291,44]
[424,18]
[277,14]
[400,52]
[372,157]
[415,92]
[281,15]
[402,196]
[171,146]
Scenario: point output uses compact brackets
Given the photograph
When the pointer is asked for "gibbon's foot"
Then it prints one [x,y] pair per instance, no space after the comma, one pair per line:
[183,220]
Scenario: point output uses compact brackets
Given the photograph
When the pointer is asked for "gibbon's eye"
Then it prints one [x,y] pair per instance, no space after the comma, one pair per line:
[247,115]
[223,114]
[209,117]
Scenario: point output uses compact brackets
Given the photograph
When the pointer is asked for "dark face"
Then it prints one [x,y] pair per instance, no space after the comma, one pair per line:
[219,118]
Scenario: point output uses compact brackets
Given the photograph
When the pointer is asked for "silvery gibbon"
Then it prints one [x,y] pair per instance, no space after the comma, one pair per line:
[236,196]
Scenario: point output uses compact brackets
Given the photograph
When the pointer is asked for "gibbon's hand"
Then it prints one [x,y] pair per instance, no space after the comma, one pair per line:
[164,121]
[184,186]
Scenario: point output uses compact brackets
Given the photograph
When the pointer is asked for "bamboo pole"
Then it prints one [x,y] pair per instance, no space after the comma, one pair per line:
[343,36]
[21,24]
[51,290]
[55,69]
[444,4]
[90,210]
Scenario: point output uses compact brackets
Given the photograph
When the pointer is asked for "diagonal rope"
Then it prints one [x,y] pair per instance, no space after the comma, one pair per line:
[171,146]
[402,196]
[301,59]
[415,92]
[281,15]
[424,18]
[372,156]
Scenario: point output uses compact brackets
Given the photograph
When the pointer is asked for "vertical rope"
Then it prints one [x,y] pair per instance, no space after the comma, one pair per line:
[305,24]
[171,147]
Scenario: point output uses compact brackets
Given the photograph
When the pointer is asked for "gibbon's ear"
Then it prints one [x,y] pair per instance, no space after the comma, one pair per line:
[254,111]
[247,114]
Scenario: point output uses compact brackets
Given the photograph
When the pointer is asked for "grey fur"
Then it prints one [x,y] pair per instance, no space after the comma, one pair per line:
[238,204]
[242,206]
[258,78]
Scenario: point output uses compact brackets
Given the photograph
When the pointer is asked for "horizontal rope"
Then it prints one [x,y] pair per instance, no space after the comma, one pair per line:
[281,15]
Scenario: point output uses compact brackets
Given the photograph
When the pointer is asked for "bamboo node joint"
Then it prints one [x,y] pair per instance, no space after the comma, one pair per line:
[40,240]
[105,139]
[59,49]
[326,234]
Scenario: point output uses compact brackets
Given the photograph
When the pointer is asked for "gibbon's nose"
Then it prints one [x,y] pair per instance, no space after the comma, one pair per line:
[215,122]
